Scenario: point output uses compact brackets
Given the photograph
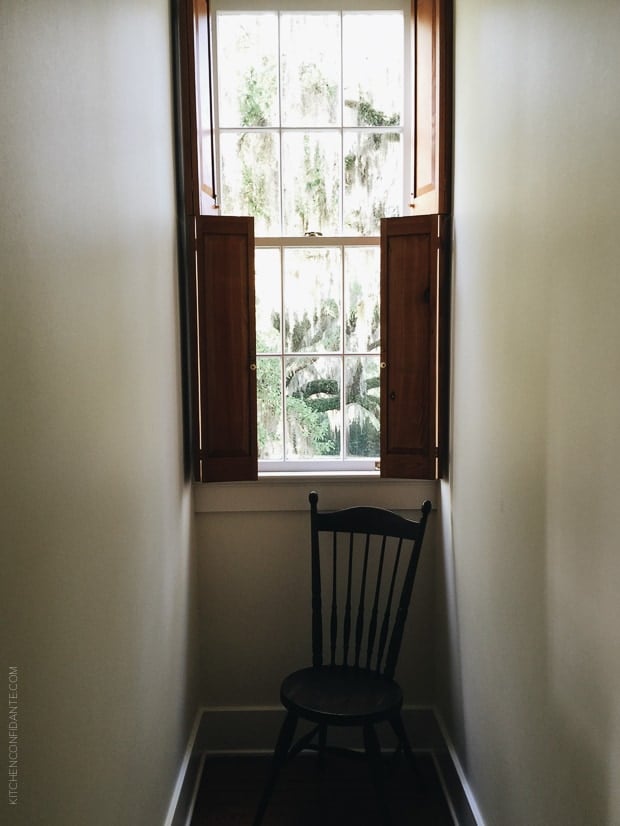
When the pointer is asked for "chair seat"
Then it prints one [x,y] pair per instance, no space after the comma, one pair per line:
[341,696]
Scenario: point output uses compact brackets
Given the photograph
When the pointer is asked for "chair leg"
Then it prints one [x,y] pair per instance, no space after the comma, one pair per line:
[403,741]
[285,738]
[322,746]
[373,752]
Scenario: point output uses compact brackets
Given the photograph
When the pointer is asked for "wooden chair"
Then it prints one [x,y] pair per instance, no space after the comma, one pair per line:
[366,574]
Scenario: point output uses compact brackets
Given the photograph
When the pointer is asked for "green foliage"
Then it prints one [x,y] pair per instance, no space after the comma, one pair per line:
[314,205]
[269,396]
[308,429]
[254,176]
[321,332]
[255,152]
[301,330]
[363,440]
[315,88]
[257,95]
[364,164]
[367,115]
[362,407]
[320,395]
[310,400]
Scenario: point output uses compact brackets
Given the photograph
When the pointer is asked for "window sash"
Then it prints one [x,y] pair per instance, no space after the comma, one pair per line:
[404,129]
[328,463]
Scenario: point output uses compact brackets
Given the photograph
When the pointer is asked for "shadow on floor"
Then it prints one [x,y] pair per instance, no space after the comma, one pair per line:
[341,795]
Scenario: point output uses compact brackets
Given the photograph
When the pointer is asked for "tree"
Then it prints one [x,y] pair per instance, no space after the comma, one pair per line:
[364,165]
[310,384]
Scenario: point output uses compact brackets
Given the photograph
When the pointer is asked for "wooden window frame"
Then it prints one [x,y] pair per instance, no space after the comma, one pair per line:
[414,438]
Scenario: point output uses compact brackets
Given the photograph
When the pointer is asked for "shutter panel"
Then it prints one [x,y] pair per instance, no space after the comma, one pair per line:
[409,292]
[197,115]
[227,349]
[186,112]
[431,22]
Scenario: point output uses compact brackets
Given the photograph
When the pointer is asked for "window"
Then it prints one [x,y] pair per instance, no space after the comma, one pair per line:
[309,134]
[307,131]
[309,118]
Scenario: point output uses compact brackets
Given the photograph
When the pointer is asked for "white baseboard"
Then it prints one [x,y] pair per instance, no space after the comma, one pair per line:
[254,729]
[186,787]
[455,781]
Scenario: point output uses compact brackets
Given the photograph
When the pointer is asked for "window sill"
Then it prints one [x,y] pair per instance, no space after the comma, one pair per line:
[289,492]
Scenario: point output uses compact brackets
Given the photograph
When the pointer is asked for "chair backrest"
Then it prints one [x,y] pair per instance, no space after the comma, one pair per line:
[364,561]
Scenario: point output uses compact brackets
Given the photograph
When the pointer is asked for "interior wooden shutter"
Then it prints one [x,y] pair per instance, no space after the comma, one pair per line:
[226,349]
[205,199]
[221,280]
[411,265]
[431,31]
[196,80]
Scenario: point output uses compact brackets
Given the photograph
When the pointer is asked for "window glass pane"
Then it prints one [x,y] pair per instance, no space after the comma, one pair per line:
[362,405]
[248,83]
[310,52]
[269,408]
[361,279]
[312,300]
[250,178]
[373,180]
[268,288]
[311,182]
[373,69]
[313,417]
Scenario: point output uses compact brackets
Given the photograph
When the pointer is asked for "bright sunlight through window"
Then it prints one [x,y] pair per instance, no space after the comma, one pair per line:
[311,125]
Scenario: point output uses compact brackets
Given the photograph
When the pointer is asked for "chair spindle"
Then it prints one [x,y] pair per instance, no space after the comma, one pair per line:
[388,608]
[346,633]
[334,612]
[372,628]
[359,627]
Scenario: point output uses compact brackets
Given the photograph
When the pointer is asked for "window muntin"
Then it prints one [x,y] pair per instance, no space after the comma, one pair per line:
[310,130]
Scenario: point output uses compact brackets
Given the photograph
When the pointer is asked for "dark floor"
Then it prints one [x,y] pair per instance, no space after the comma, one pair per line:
[339,796]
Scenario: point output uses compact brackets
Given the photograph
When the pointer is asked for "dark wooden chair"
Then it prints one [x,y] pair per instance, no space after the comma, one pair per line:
[364,561]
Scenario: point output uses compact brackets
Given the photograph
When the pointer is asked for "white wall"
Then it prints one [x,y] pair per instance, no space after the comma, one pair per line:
[531,676]
[254,578]
[96,517]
